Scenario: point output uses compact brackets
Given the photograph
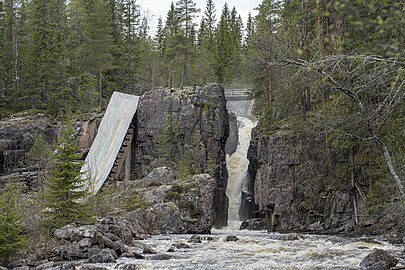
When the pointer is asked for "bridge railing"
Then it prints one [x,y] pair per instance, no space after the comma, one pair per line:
[237,92]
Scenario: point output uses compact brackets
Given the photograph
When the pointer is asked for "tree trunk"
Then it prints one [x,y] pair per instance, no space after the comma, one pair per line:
[391,166]
[100,85]
[353,183]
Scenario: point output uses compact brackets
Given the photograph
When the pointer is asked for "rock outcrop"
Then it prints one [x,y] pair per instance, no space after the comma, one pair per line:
[185,129]
[178,206]
[17,136]
[291,185]
[301,183]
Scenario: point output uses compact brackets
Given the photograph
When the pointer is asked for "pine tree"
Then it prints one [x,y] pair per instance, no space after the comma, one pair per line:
[12,238]
[65,190]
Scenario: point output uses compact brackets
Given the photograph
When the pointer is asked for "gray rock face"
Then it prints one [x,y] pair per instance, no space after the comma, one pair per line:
[288,191]
[184,129]
[158,176]
[377,256]
[17,135]
[232,141]
[184,206]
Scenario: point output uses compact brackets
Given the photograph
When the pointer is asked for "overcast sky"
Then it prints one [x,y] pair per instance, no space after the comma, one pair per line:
[154,8]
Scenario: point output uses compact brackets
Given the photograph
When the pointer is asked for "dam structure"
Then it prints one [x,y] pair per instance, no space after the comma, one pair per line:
[111,149]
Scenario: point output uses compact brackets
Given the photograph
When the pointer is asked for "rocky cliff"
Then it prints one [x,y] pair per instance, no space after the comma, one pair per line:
[300,182]
[186,130]
[293,184]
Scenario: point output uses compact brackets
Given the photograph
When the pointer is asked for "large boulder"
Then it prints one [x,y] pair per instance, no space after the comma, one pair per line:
[184,206]
[379,255]
[76,233]
[104,256]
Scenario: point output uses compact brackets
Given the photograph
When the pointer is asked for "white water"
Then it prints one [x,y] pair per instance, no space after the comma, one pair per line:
[237,165]
[260,250]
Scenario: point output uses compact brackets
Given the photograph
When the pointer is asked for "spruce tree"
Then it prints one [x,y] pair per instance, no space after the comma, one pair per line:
[65,190]
[206,43]
[12,229]
[186,11]
[48,54]
[223,48]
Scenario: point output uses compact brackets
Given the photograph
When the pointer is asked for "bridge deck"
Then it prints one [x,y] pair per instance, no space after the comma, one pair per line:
[111,133]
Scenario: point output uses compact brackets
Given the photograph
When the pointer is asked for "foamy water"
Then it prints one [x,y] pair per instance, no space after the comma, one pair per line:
[260,250]
[237,165]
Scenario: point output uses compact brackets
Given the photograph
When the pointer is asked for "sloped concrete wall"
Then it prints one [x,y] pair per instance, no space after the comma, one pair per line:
[104,150]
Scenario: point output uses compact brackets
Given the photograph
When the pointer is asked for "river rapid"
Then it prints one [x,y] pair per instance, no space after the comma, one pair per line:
[260,250]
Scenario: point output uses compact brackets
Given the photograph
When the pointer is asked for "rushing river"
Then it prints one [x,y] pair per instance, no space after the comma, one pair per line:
[260,250]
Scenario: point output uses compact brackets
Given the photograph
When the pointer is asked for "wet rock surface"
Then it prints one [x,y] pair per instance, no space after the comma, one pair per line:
[379,258]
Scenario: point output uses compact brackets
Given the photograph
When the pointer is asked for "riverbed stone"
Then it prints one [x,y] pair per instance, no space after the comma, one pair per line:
[149,250]
[132,254]
[104,256]
[195,239]
[22,268]
[293,237]
[160,257]
[379,255]
[380,265]
[181,245]
[129,267]
[231,238]
[92,267]
[45,265]
[254,224]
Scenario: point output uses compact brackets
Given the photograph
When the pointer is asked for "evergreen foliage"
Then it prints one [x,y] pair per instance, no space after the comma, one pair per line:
[12,229]
[66,192]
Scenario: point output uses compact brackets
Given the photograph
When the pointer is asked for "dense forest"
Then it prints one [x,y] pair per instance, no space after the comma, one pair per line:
[327,71]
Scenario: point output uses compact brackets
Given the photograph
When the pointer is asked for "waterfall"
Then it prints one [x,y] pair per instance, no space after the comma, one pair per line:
[237,165]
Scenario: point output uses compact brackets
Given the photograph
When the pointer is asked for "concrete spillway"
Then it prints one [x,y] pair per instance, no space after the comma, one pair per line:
[241,108]
[111,133]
